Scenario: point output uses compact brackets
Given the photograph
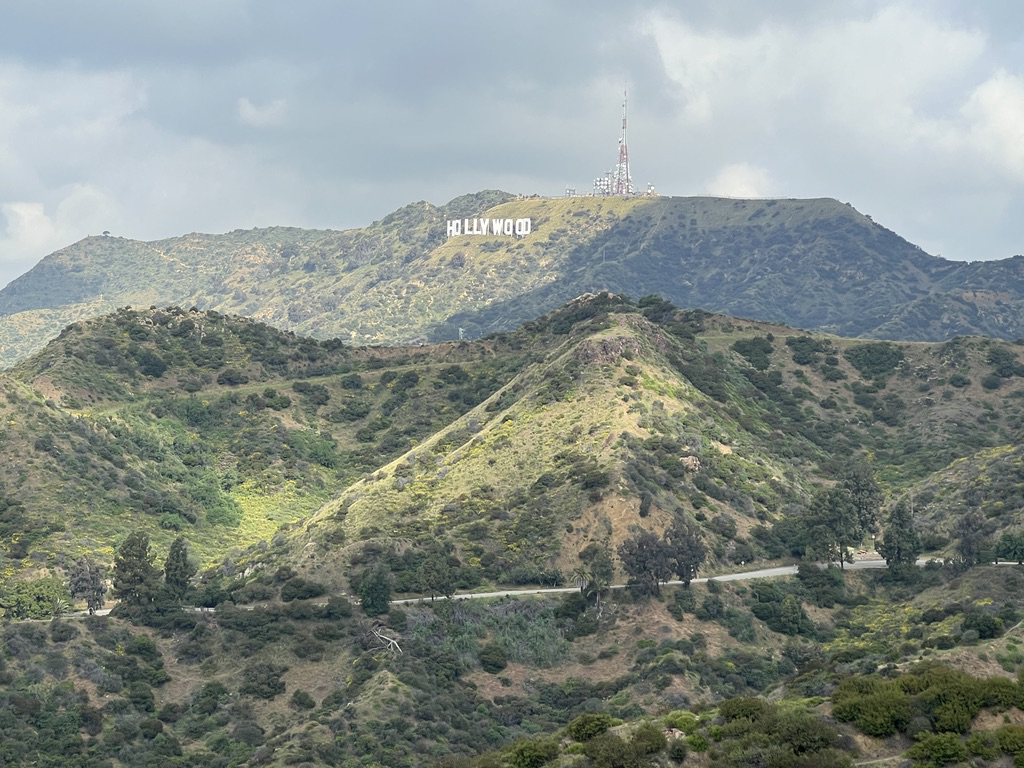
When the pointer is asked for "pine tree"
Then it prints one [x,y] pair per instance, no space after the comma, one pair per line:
[375,591]
[841,516]
[435,574]
[178,569]
[970,540]
[900,545]
[87,584]
[136,579]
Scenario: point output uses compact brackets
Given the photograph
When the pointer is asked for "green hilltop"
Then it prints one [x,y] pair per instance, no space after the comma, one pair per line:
[815,264]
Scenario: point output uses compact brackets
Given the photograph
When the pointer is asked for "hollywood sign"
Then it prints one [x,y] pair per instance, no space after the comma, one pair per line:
[507,227]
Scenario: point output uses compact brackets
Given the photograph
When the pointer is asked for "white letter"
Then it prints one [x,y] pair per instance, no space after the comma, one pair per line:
[523,227]
[508,226]
[484,223]
[454,227]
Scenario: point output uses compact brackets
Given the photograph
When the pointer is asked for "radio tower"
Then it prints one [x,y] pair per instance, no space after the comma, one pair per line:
[622,182]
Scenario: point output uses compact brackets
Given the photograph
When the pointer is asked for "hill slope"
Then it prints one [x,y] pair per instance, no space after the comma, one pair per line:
[520,449]
[808,263]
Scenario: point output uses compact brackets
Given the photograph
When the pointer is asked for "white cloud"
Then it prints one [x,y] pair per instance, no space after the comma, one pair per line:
[259,116]
[31,229]
[995,117]
[742,180]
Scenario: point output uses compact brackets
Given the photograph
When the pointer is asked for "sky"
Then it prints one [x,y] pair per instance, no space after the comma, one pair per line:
[151,120]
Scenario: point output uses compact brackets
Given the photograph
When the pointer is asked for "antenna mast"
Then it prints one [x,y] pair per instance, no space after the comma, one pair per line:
[622,182]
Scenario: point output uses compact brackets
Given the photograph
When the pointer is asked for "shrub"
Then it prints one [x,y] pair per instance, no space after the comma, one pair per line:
[648,739]
[493,658]
[263,680]
[983,744]
[587,726]
[875,359]
[301,700]
[232,377]
[744,707]
[681,720]
[697,742]
[877,714]
[533,754]
[938,749]
[757,351]
[298,588]
[985,625]
[677,750]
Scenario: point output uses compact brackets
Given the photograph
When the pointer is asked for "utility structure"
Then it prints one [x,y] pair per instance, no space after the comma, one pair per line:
[618,182]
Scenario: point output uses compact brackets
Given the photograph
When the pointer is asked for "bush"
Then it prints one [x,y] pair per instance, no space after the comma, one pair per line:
[493,658]
[986,626]
[533,754]
[648,739]
[681,720]
[875,359]
[301,700]
[585,727]
[938,749]
[263,680]
[300,589]
[983,744]
[677,750]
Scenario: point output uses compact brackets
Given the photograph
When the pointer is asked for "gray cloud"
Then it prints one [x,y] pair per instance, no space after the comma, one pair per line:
[155,120]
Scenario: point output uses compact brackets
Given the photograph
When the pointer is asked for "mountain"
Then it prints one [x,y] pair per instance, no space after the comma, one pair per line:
[815,264]
[519,450]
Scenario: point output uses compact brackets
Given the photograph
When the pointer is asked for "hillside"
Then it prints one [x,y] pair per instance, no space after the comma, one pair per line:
[643,413]
[520,450]
[303,472]
[223,427]
[815,264]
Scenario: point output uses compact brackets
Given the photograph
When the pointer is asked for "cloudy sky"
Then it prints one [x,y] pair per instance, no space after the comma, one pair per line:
[156,119]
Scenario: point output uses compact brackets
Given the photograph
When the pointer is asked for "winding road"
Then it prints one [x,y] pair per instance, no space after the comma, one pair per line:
[757,573]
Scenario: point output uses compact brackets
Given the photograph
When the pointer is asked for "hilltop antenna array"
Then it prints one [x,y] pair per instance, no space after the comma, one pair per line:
[618,182]
[622,182]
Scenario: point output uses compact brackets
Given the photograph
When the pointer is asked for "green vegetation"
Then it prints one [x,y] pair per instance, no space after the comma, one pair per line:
[610,440]
[399,280]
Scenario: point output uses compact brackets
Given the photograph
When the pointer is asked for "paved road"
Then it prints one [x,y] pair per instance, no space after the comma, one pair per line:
[758,573]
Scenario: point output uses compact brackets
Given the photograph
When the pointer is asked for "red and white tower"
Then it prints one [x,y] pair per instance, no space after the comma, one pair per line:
[622,182]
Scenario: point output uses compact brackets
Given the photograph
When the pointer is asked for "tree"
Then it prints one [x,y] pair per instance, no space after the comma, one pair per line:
[596,574]
[1011,547]
[686,549]
[136,580]
[435,573]
[33,598]
[87,583]
[842,515]
[375,591]
[580,576]
[900,545]
[969,533]
[647,560]
[178,569]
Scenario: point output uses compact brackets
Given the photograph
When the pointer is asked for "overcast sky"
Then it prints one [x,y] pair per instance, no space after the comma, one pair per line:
[157,119]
